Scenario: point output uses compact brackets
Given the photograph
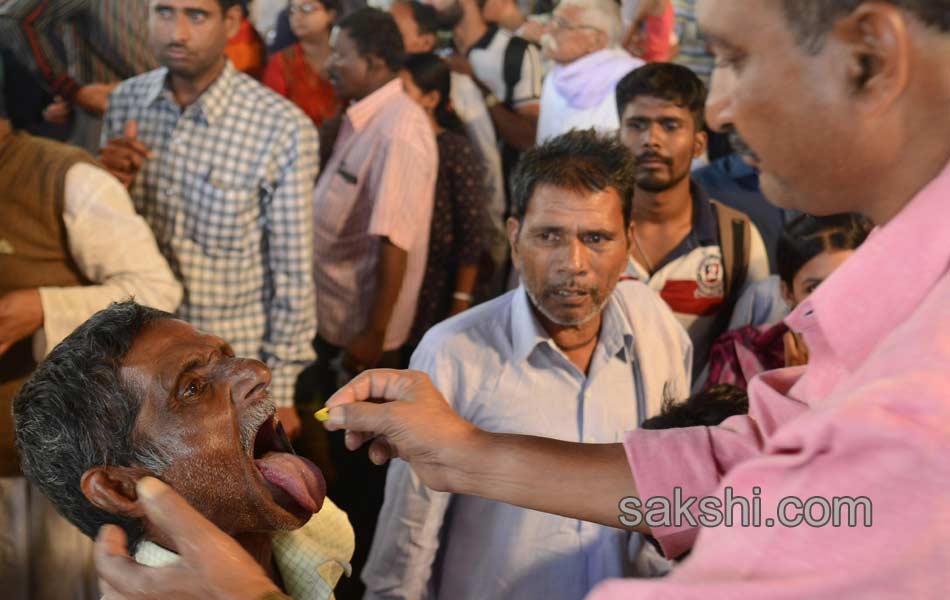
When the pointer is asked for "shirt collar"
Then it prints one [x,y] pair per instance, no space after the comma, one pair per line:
[883,283]
[361,112]
[705,231]
[484,41]
[209,107]
[527,332]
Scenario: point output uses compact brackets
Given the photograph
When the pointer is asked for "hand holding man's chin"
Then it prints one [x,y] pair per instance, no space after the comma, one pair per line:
[212,565]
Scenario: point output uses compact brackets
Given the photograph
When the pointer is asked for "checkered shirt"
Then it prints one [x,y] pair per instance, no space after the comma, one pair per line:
[227,194]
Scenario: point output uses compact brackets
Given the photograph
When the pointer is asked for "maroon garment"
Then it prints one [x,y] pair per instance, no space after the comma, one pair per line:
[740,354]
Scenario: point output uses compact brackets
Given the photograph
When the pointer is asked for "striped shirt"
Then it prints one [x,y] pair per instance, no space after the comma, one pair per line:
[106,40]
[693,52]
[378,183]
[227,194]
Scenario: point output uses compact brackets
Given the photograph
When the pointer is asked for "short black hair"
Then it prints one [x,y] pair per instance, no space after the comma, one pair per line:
[578,160]
[811,20]
[75,413]
[807,236]
[431,73]
[709,407]
[425,16]
[226,4]
[375,32]
[667,81]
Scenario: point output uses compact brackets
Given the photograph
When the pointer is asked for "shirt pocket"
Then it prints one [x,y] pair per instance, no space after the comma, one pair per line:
[337,210]
[220,215]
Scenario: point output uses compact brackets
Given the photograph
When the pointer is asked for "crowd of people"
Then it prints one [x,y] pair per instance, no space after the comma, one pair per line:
[222,216]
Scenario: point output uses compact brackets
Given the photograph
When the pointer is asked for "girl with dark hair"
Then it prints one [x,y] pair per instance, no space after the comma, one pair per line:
[298,72]
[809,250]
[456,241]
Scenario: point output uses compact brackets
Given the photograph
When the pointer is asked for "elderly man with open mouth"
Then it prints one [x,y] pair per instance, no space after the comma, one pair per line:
[135,392]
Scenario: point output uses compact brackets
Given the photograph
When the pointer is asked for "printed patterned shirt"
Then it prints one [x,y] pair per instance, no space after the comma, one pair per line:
[106,41]
[227,193]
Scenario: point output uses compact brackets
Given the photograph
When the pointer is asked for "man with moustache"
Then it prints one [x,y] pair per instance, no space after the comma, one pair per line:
[570,354]
[843,105]
[145,393]
[222,169]
[696,253]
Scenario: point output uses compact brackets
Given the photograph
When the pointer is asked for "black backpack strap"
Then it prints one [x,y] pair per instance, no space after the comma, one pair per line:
[514,57]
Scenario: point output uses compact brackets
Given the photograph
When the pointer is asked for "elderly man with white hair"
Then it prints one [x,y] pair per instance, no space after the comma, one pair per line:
[582,39]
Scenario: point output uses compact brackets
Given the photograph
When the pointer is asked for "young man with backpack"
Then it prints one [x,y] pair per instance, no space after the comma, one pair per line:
[697,253]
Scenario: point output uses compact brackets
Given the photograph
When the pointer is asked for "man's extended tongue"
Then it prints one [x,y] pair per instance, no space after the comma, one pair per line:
[297,476]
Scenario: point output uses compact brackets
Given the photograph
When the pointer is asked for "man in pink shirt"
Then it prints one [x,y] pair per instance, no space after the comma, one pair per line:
[846,106]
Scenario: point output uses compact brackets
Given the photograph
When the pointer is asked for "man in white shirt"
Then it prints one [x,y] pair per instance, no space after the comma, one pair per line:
[570,354]
[578,93]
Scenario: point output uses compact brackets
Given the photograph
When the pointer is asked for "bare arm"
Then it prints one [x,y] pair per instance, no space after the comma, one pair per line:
[410,419]
[518,128]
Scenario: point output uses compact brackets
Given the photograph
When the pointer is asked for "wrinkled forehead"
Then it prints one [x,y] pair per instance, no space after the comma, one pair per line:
[160,350]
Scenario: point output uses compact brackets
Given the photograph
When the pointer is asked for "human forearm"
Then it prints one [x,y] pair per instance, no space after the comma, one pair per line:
[579,481]
[392,271]
[409,418]
[518,130]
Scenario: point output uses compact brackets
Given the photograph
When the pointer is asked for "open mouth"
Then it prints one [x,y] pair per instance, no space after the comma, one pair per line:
[295,483]
[569,294]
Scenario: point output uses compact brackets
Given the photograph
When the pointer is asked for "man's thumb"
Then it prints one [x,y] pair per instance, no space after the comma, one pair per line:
[131,129]
[171,514]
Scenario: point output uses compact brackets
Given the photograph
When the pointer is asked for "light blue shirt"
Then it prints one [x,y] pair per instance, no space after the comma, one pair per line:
[500,369]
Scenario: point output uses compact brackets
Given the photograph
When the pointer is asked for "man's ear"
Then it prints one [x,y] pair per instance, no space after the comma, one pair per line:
[514,230]
[112,489]
[232,20]
[787,295]
[700,141]
[878,52]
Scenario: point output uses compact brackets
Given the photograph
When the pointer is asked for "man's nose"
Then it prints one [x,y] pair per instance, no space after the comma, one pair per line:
[182,30]
[575,258]
[718,102]
[653,135]
[248,379]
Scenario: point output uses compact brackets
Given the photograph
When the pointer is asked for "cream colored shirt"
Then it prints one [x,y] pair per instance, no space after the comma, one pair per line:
[113,247]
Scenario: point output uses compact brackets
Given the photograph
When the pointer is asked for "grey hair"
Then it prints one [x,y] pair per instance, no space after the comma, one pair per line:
[75,412]
[600,14]
[812,20]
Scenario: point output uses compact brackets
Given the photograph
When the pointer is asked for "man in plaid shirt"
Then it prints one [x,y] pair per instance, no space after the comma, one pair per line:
[222,169]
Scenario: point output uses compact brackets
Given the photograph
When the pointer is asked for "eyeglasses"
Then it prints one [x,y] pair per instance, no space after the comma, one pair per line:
[562,23]
[304,9]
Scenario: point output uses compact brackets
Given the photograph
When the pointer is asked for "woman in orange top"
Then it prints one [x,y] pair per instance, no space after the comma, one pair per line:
[297,72]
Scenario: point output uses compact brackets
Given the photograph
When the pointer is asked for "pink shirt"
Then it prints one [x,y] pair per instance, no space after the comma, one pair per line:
[379,182]
[869,417]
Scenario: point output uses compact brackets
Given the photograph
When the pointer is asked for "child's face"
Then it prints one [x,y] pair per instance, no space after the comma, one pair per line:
[813,273]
